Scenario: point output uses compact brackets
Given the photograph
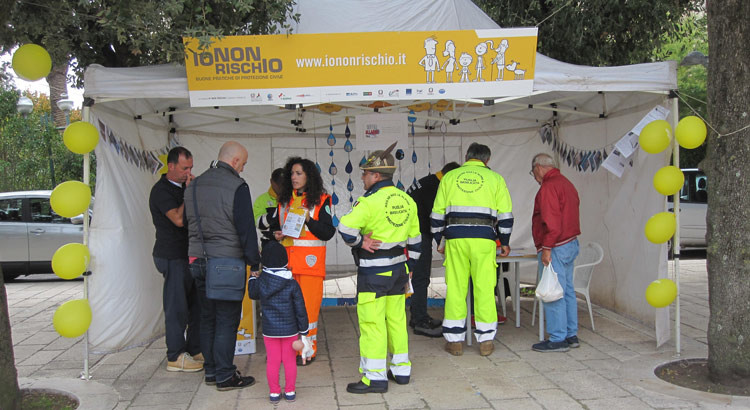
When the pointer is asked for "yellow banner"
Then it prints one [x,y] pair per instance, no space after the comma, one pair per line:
[310,68]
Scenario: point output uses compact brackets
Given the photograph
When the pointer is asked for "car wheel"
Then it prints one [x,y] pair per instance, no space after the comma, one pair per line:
[9,277]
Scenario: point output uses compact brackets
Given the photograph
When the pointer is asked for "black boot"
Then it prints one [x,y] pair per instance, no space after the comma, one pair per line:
[361,388]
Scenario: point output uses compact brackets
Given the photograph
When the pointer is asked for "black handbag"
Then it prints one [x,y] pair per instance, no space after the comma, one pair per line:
[225,277]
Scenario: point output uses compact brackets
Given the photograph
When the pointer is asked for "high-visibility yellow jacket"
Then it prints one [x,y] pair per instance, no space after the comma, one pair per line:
[391,216]
[472,202]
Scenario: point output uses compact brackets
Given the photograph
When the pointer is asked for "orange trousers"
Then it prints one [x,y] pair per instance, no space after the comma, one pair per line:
[312,292]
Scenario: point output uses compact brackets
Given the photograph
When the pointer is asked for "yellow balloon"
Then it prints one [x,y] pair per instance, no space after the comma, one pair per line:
[81,137]
[661,293]
[690,132]
[31,62]
[72,318]
[163,159]
[669,180]
[70,198]
[655,136]
[71,260]
[660,227]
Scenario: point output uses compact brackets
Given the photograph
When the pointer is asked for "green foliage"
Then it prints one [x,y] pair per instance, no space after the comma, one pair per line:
[26,145]
[691,80]
[130,33]
[595,32]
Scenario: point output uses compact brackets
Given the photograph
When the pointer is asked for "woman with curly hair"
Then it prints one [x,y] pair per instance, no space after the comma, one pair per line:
[302,193]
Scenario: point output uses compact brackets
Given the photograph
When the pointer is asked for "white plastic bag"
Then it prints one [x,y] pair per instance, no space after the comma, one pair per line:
[549,289]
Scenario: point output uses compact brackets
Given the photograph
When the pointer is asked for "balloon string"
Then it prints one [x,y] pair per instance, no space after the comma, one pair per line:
[697,114]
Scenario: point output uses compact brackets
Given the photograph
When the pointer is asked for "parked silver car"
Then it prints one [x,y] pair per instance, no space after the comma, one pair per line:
[693,207]
[31,232]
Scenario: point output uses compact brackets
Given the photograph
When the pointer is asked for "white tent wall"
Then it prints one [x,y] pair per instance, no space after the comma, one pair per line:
[136,105]
[613,210]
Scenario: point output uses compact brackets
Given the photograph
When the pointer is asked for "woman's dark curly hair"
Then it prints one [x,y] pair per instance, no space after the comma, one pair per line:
[314,187]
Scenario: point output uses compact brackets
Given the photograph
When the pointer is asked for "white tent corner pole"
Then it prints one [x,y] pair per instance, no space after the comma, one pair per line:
[676,241]
[86,180]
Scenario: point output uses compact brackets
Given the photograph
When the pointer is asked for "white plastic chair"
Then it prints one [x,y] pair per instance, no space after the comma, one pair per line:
[590,255]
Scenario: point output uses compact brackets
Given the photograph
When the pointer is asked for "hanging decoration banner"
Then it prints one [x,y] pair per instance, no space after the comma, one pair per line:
[320,68]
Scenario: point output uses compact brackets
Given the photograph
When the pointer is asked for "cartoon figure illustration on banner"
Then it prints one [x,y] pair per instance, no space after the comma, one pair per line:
[450,63]
[518,73]
[430,61]
[499,59]
[465,61]
[481,50]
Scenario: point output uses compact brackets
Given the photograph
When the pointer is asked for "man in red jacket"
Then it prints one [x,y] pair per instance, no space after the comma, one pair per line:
[555,228]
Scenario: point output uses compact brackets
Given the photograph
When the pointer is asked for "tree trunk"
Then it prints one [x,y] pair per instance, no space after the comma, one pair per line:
[58,84]
[10,396]
[728,171]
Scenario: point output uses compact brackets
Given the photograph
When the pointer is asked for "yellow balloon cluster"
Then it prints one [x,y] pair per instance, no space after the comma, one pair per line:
[81,137]
[661,293]
[660,227]
[655,136]
[71,260]
[70,198]
[72,318]
[690,132]
[31,62]
[669,180]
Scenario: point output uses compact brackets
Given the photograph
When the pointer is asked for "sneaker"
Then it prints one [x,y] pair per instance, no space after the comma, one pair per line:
[429,322]
[198,358]
[486,348]
[398,379]
[426,328]
[454,348]
[274,397]
[290,396]
[572,341]
[237,381]
[361,388]
[548,346]
[184,363]
[210,380]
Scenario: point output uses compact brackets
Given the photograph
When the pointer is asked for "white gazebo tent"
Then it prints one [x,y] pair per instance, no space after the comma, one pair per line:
[140,111]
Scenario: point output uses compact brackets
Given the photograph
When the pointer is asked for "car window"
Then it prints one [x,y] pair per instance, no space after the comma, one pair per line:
[10,210]
[42,212]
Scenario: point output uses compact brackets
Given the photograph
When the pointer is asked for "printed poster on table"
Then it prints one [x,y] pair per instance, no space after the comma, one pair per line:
[325,67]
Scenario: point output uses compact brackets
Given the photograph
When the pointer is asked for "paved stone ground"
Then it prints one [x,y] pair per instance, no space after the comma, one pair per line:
[613,368]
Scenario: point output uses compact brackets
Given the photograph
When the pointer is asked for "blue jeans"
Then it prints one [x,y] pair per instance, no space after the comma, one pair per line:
[562,315]
[219,322]
[181,308]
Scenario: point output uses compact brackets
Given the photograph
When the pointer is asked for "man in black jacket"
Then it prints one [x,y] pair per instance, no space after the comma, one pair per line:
[423,193]
[221,226]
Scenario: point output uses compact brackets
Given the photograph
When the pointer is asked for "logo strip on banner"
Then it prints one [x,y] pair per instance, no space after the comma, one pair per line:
[319,68]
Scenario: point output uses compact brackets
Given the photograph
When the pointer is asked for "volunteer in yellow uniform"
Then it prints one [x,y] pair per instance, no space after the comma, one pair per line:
[472,209]
[382,228]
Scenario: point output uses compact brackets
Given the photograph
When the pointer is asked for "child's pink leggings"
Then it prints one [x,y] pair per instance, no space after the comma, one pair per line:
[278,350]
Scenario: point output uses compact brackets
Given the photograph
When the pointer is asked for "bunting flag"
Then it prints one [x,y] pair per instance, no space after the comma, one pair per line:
[580,159]
[148,161]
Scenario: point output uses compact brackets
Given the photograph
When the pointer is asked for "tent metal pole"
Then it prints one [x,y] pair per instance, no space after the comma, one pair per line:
[676,241]
[86,180]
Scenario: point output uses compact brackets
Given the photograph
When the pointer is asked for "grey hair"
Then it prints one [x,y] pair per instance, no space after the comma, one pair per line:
[478,151]
[543,160]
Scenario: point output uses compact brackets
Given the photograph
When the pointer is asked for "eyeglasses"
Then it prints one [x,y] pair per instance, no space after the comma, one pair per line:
[532,171]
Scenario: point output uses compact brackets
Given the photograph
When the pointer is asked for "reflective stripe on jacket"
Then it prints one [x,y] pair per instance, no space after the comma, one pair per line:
[391,216]
[307,254]
[472,202]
